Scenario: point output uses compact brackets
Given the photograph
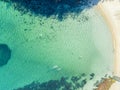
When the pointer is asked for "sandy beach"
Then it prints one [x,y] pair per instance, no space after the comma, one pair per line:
[110,10]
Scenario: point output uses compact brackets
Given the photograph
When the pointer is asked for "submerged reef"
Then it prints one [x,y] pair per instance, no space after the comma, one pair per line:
[65,83]
[5,54]
[52,7]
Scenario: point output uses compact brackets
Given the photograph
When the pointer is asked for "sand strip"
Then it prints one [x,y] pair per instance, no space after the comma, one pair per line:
[110,10]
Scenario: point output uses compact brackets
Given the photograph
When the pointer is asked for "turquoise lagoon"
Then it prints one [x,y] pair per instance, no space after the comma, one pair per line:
[46,49]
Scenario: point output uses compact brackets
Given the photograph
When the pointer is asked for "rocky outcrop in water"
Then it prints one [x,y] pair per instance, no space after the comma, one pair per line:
[52,7]
[65,83]
[5,54]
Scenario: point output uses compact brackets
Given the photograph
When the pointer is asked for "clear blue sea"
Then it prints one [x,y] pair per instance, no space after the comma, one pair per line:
[46,49]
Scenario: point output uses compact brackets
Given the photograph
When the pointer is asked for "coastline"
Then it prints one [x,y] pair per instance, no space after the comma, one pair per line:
[110,10]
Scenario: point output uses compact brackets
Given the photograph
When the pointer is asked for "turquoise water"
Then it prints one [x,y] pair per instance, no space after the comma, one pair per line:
[45,48]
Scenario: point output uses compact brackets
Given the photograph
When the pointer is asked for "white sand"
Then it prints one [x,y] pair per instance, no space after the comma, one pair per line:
[110,10]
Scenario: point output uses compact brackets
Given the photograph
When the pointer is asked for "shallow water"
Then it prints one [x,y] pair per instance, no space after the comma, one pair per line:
[45,48]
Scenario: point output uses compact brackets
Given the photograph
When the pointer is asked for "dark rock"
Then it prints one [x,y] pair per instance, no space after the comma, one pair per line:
[68,86]
[92,76]
[63,81]
[83,74]
[77,85]
[74,79]
[5,54]
[63,84]
[51,7]
[83,82]
[53,84]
